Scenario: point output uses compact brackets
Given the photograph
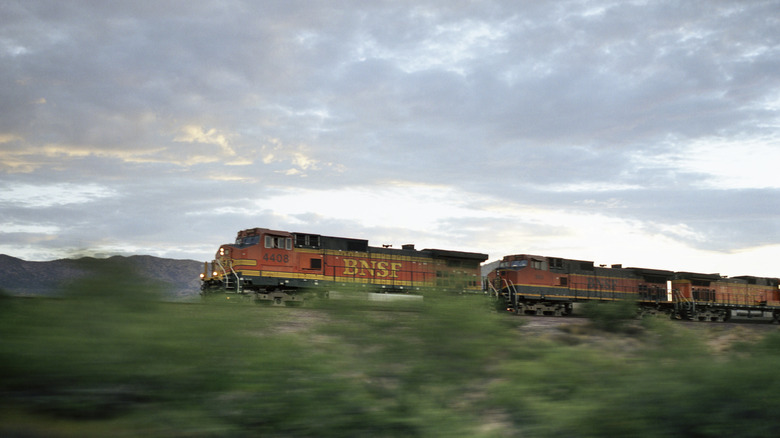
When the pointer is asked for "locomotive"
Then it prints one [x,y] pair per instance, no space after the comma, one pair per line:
[284,268]
[536,285]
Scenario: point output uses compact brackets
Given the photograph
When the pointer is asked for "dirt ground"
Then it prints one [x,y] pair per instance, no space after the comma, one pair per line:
[719,337]
[573,330]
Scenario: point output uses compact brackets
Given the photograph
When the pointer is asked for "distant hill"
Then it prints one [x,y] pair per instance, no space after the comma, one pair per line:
[175,278]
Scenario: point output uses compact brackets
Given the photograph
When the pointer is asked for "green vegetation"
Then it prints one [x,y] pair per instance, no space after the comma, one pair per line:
[612,316]
[109,359]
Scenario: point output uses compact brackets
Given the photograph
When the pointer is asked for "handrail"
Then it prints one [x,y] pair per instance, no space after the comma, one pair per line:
[225,274]
[238,280]
[510,286]
[680,296]
[492,289]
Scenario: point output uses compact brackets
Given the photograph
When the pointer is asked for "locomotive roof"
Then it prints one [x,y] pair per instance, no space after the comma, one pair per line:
[443,253]
[697,276]
[658,272]
[259,231]
[436,253]
[763,281]
[361,245]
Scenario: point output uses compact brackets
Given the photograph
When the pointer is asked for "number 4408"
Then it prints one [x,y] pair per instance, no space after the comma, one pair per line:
[278,258]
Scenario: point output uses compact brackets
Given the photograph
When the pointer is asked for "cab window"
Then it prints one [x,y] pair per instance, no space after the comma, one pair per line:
[248,240]
[278,242]
[514,264]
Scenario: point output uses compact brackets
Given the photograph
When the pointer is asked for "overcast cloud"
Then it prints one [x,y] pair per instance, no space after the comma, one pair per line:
[642,133]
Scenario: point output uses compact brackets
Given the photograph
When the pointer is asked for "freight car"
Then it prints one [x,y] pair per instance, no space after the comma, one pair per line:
[283,268]
[537,285]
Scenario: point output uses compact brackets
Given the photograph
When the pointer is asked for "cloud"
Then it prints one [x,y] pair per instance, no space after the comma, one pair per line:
[736,163]
[495,125]
[8,138]
[198,134]
[37,196]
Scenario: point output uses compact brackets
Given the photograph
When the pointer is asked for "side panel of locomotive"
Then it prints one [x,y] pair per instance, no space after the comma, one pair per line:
[275,265]
[549,285]
[710,297]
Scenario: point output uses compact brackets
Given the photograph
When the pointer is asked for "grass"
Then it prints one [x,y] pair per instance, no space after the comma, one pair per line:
[109,358]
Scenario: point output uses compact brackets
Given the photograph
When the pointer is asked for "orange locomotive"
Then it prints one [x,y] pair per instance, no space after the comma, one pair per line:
[550,286]
[276,266]
[710,297]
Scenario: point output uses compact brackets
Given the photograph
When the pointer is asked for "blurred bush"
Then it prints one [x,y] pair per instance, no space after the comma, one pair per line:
[612,316]
[112,359]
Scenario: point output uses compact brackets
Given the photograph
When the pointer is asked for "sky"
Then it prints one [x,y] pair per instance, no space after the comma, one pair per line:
[645,133]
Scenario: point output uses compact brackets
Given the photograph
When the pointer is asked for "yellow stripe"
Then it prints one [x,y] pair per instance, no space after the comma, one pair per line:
[568,296]
[320,277]
[583,290]
[244,262]
[567,288]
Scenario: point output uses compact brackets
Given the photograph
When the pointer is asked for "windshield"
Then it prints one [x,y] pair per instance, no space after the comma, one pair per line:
[514,264]
[249,240]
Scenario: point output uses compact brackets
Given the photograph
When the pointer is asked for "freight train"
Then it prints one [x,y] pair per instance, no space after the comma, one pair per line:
[285,268]
[536,285]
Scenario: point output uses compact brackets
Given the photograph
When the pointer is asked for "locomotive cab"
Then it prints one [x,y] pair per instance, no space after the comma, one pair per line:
[255,250]
[529,270]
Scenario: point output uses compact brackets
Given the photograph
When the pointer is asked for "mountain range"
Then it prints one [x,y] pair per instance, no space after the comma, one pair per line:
[172,278]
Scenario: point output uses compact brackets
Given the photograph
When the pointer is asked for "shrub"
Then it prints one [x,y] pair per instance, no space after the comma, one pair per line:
[611,316]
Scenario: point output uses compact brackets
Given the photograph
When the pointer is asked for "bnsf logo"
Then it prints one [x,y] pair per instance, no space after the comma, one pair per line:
[371,268]
[602,284]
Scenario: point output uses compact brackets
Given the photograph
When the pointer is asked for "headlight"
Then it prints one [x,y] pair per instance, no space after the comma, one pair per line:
[214,274]
[222,251]
[202,276]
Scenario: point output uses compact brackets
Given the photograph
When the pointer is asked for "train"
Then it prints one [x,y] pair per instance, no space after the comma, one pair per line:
[537,285]
[287,268]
